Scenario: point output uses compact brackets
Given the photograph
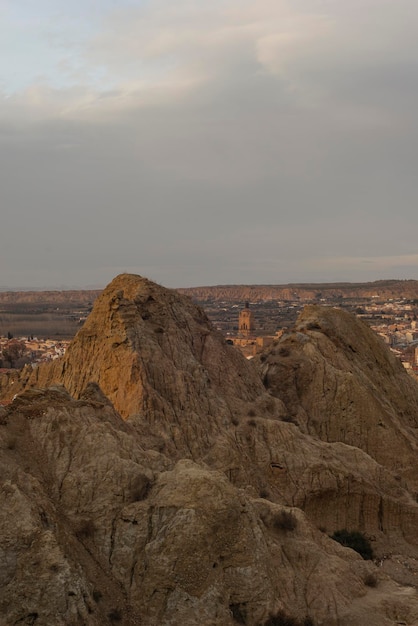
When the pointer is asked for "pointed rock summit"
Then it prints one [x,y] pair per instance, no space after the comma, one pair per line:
[155,354]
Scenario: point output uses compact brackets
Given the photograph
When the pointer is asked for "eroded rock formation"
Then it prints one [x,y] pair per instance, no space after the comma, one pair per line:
[150,477]
[339,381]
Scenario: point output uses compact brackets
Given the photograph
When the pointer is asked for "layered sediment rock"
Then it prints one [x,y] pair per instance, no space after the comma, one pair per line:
[339,381]
[155,480]
[155,354]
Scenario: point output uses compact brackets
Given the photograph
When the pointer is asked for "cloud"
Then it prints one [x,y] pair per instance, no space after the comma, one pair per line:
[160,54]
[219,142]
[364,268]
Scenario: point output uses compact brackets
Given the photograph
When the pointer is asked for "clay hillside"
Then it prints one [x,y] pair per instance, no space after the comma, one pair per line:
[384,289]
[77,297]
[154,476]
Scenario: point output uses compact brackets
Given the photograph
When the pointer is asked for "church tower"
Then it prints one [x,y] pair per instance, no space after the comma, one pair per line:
[246,324]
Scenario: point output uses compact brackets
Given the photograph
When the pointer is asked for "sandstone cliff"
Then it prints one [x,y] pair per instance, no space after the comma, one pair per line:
[156,480]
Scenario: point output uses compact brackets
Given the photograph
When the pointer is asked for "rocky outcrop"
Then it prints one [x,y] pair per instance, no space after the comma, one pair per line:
[339,381]
[155,354]
[95,530]
[155,480]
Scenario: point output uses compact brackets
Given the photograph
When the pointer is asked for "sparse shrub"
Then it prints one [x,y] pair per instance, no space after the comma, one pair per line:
[284,351]
[270,405]
[235,421]
[282,619]
[313,326]
[97,595]
[11,443]
[30,619]
[354,540]
[264,493]
[285,520]
[115,615]
[263,357]
[85,529]
[252,423]
[289,419]
[282,520]
[141,486]
[251,413]
[160,445]
[370,580]
[238,613]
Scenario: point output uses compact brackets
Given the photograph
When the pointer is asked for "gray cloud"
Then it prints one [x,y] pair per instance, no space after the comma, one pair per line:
[240,142]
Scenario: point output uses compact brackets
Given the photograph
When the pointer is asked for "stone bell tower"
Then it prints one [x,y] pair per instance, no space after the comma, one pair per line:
[246,324]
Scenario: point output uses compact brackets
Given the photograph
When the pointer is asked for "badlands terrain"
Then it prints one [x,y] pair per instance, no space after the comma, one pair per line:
[154,476]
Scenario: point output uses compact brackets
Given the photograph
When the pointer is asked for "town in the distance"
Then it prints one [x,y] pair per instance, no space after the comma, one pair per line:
[38,326]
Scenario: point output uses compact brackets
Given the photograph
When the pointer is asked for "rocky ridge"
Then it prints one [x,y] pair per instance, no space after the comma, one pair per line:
[384,289]
[154,476]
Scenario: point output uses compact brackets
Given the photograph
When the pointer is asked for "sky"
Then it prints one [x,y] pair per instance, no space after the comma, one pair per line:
[204,143]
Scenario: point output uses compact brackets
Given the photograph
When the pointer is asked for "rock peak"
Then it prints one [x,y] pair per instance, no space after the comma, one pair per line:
[154,353]
[154,476]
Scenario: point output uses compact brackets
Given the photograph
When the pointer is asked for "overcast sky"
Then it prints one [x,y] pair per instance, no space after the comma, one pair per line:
[200,143]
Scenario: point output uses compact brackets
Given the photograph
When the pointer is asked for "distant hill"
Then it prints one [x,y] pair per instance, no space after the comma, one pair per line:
[49,297]
[306,291]
[153,476]
[293,291]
